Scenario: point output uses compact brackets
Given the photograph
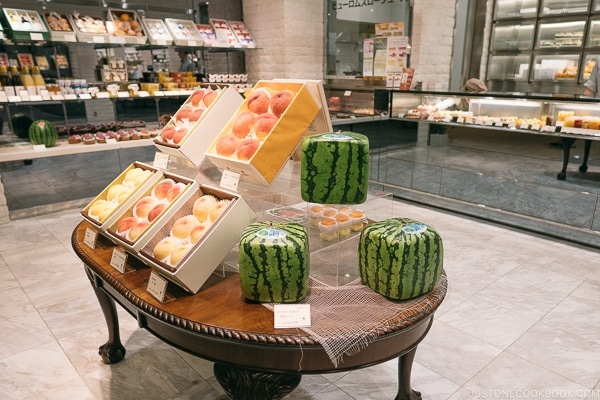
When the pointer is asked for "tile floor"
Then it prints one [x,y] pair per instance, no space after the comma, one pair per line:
[521,320]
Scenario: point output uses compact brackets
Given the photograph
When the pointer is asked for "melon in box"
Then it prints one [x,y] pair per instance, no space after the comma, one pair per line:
[334,168]
[138,223]
[274,262]
[260,137]
[195,239]
[119,194]
[400,258]
[198,121]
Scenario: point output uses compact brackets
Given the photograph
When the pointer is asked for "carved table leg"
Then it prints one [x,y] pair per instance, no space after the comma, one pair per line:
[405,363]
[566,146]
[113,350]
[245,384]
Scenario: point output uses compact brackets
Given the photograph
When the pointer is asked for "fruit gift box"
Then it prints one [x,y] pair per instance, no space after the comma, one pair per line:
[125,27]
[136,225]
[194,126]
[260,137]
[105,208]
[194,240]
[89,28]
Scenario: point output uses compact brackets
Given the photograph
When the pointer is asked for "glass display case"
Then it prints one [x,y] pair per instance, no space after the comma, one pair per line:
[589,60]
[556,7]
[508,36]
[560,34]
[596,6]
[556,67]
[509,67]
[515,9]
[593,39]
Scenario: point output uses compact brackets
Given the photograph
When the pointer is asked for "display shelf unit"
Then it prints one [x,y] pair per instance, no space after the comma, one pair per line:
[542,48]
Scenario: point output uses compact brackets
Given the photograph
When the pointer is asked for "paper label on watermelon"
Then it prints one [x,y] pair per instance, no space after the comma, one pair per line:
[271,234]
[414,228]
[336,136]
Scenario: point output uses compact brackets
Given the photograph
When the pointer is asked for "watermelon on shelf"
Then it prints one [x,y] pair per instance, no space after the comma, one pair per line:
[334,168]
[43,132]
[274,262]
[20,125]
[400,258]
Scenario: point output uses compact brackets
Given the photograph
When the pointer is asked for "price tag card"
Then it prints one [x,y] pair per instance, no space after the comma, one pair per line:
[85,96]
[535,127]
[348,93]
[57,97]
[489,123]
[292,315]
[157,286]
[122,94]
[143,93]
[230,180]
[461,120]
[36,36]
[118,260]
[102,95]
[39,147]
[70,96]
[14,99]
[90,238]
[35,97]
[161,160]
[512,124]
[159,93]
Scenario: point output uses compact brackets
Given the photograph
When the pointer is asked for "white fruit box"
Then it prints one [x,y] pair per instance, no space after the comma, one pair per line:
[204,256]
[184,32]
[274,149]
[137,224]
[125,27]
[61,29]
[200,133]
[88,28]
[157,32]
[115,198]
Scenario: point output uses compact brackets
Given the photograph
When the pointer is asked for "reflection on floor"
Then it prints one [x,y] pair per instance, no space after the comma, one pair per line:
[522,315]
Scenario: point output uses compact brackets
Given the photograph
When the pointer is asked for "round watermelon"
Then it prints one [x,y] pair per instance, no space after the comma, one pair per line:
[43,132]
[20,125]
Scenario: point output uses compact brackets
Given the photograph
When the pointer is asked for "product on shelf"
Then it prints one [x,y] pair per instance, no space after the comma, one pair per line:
[242,34]
[207,33]
[400,258]
[43,132]
[274,262]
[20,124]
[184,32]
[118,192]
[224,34]
[25,24]
[334,168]
[126,26]
[157,32]
[334,223]
[256,142]
[60,27]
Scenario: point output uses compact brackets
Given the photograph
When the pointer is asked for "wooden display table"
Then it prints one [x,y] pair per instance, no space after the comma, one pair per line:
[253,360]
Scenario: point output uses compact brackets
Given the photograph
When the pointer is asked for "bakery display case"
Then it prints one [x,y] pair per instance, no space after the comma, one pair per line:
[560,34]
[509,67]
[596,6]
[593,39]
[559,7]
[507,36]
[589,60]
[515,9]
[562,67]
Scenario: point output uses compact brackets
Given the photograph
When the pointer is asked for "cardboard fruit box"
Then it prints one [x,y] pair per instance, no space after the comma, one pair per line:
[137,224]
[260,154]
[125,27]
[106,207]
[189,250]
[201,132]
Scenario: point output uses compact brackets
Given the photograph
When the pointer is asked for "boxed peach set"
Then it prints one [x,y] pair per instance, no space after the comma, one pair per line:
[179,227]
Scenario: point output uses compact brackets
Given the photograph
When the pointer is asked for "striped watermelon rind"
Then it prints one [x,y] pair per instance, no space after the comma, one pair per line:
[400,258]
[334,168]
[274,262]
[43,132]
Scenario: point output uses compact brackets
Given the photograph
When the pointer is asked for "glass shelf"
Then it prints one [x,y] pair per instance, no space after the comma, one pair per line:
[563,67]
[512,37]
[565,34]
[515,9]
[560,7]
[509,67]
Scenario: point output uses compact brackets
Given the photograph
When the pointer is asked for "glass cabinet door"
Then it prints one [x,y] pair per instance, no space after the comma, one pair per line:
[556,7]
[513,37]
[594,33]
[596,6]
[509,67]
[515,9]
[589,60]
[556,67]
[560,34]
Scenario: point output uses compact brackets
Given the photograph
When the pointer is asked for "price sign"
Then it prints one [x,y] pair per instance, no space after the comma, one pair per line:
[118,260]
[157,286]
[90,238]
[230,180]
[161,160]
[292,315]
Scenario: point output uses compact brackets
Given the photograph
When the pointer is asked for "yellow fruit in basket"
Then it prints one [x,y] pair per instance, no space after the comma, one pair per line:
[124,17]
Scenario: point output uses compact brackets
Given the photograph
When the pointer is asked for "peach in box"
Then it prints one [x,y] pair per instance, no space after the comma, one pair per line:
[277,146]
[205,123]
